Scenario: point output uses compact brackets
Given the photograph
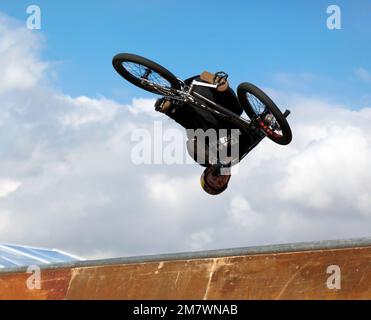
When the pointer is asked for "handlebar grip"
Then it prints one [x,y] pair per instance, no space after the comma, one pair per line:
[286,113]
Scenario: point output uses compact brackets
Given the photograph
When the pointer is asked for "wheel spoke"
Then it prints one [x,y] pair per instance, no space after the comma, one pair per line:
[269,123]
[151,77]
[258,106]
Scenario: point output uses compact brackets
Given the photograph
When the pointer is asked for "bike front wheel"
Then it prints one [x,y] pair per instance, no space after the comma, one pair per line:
[145,73]
[260,108]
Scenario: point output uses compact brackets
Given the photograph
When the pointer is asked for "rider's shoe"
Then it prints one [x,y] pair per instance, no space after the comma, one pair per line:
[219,79]
[162,105]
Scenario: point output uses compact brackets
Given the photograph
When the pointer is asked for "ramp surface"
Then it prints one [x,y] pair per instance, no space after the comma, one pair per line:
[317,270]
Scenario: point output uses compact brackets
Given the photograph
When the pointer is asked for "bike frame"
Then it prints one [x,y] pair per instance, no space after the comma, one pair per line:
[188,95]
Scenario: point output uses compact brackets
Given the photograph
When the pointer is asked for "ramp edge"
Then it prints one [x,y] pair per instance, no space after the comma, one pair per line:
[209,254]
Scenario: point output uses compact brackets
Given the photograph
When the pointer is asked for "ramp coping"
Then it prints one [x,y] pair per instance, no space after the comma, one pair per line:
[209,254]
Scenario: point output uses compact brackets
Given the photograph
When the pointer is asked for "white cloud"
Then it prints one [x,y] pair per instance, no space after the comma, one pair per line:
[161,189]
[19,62]
[201,239]
[4,220]
[85,110]
[8,186]
[243,216]
[80,192]
[327,169]
[362,74]
[141,105]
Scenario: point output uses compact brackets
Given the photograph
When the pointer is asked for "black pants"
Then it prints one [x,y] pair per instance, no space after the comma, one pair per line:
[191,117]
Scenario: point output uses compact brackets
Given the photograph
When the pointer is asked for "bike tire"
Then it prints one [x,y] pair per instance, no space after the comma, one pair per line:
[248,88]
[121,58]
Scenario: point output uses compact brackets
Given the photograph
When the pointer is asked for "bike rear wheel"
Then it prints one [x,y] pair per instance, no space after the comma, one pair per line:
[145,74]
[259,107]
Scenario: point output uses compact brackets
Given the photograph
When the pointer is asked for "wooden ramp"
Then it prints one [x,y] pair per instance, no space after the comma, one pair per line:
[317,270]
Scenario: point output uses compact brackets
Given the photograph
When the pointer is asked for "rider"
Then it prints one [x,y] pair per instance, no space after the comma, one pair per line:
[195,118]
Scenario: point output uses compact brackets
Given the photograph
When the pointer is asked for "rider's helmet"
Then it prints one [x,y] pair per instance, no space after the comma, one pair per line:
[213,182]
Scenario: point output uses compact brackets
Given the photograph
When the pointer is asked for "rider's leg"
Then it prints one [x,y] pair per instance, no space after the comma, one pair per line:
[226,98]
[229,100]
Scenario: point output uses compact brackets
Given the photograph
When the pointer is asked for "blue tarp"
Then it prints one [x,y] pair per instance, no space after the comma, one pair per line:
[12,255]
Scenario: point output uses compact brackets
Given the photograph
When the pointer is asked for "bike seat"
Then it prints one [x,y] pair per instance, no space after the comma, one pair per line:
[215,78]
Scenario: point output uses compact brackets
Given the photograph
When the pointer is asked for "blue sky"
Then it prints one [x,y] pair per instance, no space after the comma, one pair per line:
[283,45]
